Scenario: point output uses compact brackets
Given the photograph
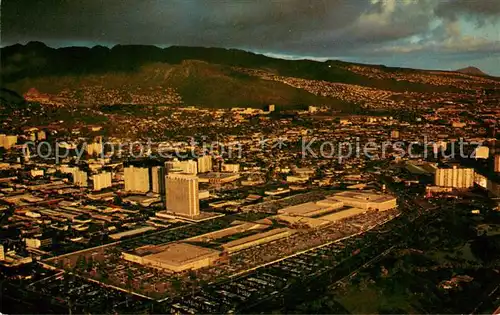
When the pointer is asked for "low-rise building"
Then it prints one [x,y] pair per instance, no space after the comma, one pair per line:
[218,178]
[366,201]
[256,239]
[277,192]
[176,257]
[231,168]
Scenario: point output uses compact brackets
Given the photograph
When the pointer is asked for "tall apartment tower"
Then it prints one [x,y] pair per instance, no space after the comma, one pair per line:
[9,141]
[454,177]
[95,148]
[136,179]
[101,181]
[482,152]
[41,135]
[182,194]
[205,164]
[80,178]
[497,163]
[189,167]
[2,253]
[158,180]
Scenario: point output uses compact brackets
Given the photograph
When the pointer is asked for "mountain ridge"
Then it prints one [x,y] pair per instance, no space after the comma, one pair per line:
[204,76]
[472,70]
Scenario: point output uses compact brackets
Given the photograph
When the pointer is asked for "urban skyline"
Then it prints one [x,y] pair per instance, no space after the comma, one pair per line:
[250,157]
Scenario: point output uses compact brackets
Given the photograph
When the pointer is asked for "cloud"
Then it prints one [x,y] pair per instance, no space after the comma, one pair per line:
[294,25]
[173,21]
[393,19]
[465,44]
[315,28]
[481,11]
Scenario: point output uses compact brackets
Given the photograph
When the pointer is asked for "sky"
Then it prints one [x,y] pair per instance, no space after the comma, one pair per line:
[427,34]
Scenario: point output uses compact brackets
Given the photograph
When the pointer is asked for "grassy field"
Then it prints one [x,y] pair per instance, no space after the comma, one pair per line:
[372,300]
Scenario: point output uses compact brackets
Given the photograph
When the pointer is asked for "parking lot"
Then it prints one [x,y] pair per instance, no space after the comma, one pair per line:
[271,280]
[263,283]
[84,296]
[106,265]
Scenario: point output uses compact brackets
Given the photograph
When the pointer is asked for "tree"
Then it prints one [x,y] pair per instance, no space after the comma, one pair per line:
[176,284]
[117,200]
[90,264]
[192,275]
[81,263]
[104,277]
[130,277]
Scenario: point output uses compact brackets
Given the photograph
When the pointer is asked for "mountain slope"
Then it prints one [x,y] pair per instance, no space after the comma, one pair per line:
[472,71]
[199,82]
[190,83]
[196,76]
[35,59]
[10,97]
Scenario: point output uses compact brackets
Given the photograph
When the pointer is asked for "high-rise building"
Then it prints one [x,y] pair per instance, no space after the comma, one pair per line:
[26,153]
[189,167]
[168,166]
[94,148]
[31,137]
[454,177]
[482,152]
[102,180]
[136,179]
[9,141]
[497,163]
[182,194]
[41,135]
[2,253]
[158,180]
[80,178]
[205,164]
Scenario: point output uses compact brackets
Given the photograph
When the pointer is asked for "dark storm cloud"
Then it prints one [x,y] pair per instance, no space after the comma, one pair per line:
[295,27]
[472,8]
[299,26]
[260,24]
[272,22]
[218,23]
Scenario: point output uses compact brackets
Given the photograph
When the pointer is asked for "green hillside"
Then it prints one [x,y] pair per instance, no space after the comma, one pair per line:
[200,76]
[197,82]
[202,83]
